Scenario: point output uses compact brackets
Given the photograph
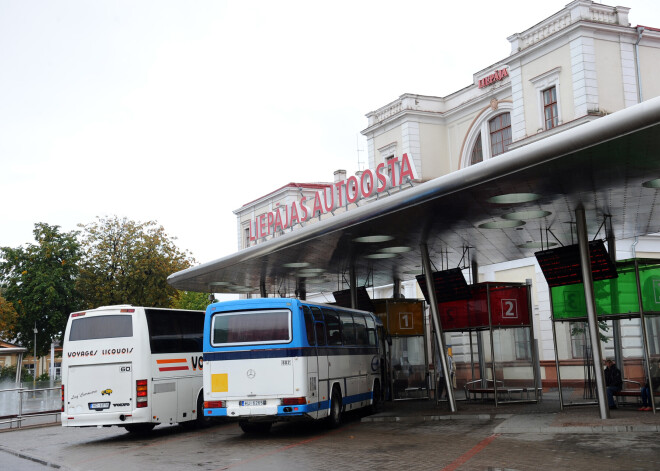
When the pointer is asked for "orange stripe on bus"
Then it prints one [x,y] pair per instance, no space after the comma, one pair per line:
[176,360]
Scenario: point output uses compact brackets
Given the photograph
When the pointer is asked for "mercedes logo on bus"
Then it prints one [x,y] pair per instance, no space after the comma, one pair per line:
[251,373]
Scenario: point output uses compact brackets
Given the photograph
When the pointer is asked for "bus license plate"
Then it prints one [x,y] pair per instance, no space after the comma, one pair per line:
[99,405]
[253,403]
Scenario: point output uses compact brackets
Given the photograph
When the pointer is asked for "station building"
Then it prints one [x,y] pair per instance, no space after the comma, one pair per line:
[576,66]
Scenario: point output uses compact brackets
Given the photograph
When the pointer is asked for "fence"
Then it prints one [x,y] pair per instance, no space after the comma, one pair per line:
[21,406]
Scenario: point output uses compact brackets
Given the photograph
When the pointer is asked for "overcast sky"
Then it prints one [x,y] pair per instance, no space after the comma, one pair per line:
[182,111]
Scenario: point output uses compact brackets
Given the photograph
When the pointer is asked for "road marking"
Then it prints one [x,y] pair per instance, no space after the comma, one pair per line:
[470,453]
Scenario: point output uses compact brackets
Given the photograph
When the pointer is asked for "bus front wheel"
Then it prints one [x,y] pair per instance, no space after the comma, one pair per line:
[334,419]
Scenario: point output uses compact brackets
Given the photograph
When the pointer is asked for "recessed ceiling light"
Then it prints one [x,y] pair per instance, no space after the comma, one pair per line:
[512,198]
[501,224]
[373,238]
[524,215]
[395,249]
[307,274]
[652,183]
[312,270]
[219,283]
[536,245]
[381,255]
[296,265]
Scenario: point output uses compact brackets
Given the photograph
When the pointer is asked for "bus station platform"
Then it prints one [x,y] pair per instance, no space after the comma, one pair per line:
[545,417]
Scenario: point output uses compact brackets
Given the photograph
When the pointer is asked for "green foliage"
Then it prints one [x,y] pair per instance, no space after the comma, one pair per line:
[192,300]
[8,319]
[128,262]
[39,280]
[9,373]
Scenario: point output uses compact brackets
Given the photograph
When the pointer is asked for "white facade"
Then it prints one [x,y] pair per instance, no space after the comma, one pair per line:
[582,63]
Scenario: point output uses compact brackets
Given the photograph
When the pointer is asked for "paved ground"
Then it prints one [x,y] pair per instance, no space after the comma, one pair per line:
[412,435]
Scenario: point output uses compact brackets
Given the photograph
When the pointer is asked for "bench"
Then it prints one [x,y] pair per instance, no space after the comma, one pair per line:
[507,392]
[625,392]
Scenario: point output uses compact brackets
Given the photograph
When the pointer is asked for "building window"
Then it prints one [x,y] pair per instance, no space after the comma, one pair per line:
[579,341]
[477,152]
[500,133]
[523,344]
[550,107]
[246,237]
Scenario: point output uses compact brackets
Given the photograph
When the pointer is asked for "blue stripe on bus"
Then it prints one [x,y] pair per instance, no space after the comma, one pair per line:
[298,409]
[287,353]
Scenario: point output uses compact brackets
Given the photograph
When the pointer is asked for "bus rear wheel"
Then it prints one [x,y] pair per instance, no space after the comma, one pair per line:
[254,427]
[334,419]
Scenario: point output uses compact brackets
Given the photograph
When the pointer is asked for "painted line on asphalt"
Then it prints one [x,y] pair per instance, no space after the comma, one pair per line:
[470,453]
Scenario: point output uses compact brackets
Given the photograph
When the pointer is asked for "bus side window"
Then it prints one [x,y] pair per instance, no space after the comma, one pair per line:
[319,325]
[371,331]
[361,330]
[348,328]
[309,325]
[332,327]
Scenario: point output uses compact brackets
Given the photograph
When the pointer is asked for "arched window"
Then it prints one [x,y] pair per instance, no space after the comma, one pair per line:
[477,152]
[490,135]
[500,134]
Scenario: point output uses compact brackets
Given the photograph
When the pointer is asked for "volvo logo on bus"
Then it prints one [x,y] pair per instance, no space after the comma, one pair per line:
[251,373]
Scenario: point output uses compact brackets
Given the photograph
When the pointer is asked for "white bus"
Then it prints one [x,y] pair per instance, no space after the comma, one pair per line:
[276,359]
[133,367]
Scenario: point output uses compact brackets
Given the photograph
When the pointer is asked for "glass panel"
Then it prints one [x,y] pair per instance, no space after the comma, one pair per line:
[175,331]
[252,327]
[348,329]
[309,325]
[477,152]
[332,329]
[649,282]
[409,367]
[101,327]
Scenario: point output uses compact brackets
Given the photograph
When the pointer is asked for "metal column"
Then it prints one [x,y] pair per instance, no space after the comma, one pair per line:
[587,279]
[430,288]
[353,287]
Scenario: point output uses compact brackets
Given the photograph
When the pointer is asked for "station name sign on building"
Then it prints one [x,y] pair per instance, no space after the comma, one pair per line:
[494,77]
[395,172]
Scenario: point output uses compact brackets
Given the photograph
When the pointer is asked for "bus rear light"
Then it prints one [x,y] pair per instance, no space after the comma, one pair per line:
[78,314]
[127,310]
[141,393]
[214,404]
[294,401]
[62,398]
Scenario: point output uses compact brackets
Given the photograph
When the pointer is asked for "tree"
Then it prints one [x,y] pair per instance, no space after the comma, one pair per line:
[8,318]
[192,300]
[39,280]
[128,262]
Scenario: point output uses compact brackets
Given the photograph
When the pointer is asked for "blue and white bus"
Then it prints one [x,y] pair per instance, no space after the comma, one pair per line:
[278,359]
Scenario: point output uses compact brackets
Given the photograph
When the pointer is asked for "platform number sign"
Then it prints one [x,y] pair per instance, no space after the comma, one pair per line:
[406,321]
[509,309]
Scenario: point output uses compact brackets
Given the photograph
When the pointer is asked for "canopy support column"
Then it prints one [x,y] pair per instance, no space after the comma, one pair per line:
[353,287]
[426,263]
[587,279]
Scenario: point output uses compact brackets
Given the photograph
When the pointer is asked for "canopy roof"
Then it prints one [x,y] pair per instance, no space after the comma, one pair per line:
[610,166]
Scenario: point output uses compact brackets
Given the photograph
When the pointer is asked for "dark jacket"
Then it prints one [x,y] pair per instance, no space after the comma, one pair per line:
[613,377]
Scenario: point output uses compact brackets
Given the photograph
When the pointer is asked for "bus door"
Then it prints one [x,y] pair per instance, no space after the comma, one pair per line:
[321,356]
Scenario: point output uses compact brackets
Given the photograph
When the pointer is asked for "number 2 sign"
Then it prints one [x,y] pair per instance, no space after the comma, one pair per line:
[509,308]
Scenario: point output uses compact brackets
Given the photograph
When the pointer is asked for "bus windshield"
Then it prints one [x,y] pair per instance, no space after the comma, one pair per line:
[101,327]
[252,327]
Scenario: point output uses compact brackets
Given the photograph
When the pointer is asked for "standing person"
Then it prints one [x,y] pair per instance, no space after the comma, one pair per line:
[441,374]
[613,381]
